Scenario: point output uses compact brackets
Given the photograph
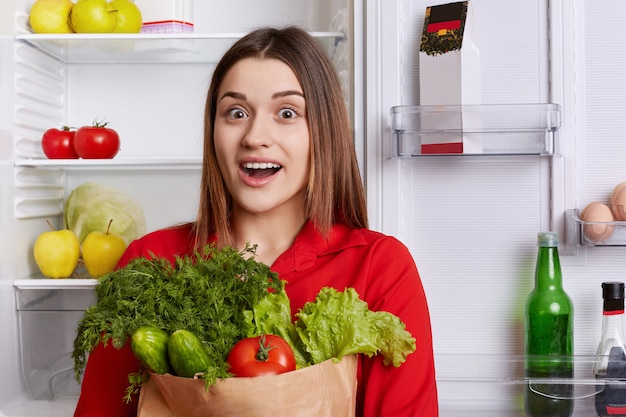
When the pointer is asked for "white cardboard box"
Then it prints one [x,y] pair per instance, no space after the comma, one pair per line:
[449,70]
[166,16]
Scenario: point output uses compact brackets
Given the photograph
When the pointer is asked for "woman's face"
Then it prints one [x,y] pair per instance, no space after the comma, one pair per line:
[261,137]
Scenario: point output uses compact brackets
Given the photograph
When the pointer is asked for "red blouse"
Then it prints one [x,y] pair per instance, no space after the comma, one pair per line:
[379,267]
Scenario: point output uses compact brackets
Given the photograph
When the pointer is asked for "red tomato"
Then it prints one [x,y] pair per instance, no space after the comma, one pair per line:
[59,143]
[96,142]
[262,355]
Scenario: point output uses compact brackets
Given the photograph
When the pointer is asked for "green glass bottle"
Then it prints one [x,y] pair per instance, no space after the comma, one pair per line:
[548,340]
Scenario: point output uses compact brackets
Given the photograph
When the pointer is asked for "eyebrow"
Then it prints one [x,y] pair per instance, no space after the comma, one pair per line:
[240,96]
[287,93]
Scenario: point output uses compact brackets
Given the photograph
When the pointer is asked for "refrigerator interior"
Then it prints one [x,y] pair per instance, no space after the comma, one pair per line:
[154,97]
[471,221]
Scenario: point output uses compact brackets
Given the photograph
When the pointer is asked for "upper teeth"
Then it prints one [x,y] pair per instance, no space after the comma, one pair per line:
[260,165]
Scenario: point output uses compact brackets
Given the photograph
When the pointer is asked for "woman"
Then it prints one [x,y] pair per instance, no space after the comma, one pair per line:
[280,172]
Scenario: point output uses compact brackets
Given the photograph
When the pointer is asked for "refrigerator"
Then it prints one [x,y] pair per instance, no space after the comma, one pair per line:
[551,111]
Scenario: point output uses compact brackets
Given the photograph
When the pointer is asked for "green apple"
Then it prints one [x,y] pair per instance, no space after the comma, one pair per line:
[56,253]
[101,251]
[92,16]
[128,16]
[50,16]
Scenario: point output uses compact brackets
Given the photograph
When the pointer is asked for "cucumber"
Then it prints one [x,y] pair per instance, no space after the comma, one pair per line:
[187,354]
[149,344]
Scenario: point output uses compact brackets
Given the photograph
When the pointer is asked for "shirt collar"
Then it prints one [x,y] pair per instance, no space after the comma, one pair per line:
[310,244]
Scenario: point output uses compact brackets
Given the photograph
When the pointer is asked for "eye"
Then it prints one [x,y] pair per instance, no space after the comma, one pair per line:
[237,114]
[287,113]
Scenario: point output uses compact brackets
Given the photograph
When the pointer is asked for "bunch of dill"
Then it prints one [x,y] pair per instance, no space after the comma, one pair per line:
[205,293]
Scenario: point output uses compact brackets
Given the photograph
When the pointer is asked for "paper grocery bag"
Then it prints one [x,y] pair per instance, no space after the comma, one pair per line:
[327,389]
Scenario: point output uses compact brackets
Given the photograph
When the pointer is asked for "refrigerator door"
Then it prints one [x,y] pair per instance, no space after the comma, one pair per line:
[470,221]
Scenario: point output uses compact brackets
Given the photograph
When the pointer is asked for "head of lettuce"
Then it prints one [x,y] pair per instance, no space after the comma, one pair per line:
[335,324]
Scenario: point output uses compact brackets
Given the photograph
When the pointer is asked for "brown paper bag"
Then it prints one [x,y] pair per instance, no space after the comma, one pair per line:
[327,389]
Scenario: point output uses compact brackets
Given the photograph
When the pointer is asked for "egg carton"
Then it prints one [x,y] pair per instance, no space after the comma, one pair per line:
[584,233]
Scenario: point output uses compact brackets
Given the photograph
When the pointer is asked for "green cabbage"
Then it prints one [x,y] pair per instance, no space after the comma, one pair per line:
[91,206]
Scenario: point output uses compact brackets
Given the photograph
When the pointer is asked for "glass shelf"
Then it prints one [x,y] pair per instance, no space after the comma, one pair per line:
[39,282]
[498,129]
[76,48]
[494,384]
[575,231]
[115,163]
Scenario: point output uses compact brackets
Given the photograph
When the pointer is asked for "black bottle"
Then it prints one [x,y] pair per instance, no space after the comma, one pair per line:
[611,358]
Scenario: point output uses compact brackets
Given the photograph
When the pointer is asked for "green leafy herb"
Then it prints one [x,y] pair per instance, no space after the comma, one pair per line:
[206,293]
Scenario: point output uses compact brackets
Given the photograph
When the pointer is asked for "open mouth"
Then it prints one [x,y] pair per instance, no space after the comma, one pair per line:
[260,169]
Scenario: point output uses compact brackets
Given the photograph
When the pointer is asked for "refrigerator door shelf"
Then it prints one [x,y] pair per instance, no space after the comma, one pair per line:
[576,231]
[503,129]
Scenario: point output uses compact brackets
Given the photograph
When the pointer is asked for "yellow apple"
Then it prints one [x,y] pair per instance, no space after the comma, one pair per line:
[92,16]
[50,16]
[56,253]
[128,16]
[101,251]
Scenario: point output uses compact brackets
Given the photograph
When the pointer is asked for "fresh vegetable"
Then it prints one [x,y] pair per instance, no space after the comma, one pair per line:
[187,354]
[334,325]
[59,143]
[223,296]
[91,206]
[96,142]
[149,344]
[340,323]
[261,355]
[272,315]
[204,292]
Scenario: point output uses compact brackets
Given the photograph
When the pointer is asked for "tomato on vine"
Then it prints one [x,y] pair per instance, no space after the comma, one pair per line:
[96,142]
[59,143]
[261,355]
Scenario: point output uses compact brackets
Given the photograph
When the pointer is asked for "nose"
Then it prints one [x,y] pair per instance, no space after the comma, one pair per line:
[259,133]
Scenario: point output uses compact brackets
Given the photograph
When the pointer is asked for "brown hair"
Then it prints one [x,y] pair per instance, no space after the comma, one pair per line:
[335,191]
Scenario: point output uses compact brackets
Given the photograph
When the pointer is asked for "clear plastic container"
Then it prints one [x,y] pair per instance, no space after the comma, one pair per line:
[48,312]
[575,231]
[503,129]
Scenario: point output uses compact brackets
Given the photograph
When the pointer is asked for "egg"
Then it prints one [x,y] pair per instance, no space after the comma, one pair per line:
[601,213]
[618,202]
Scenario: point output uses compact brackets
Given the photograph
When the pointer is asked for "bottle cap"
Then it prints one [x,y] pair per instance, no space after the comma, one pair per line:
[548,239]
[613,290]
